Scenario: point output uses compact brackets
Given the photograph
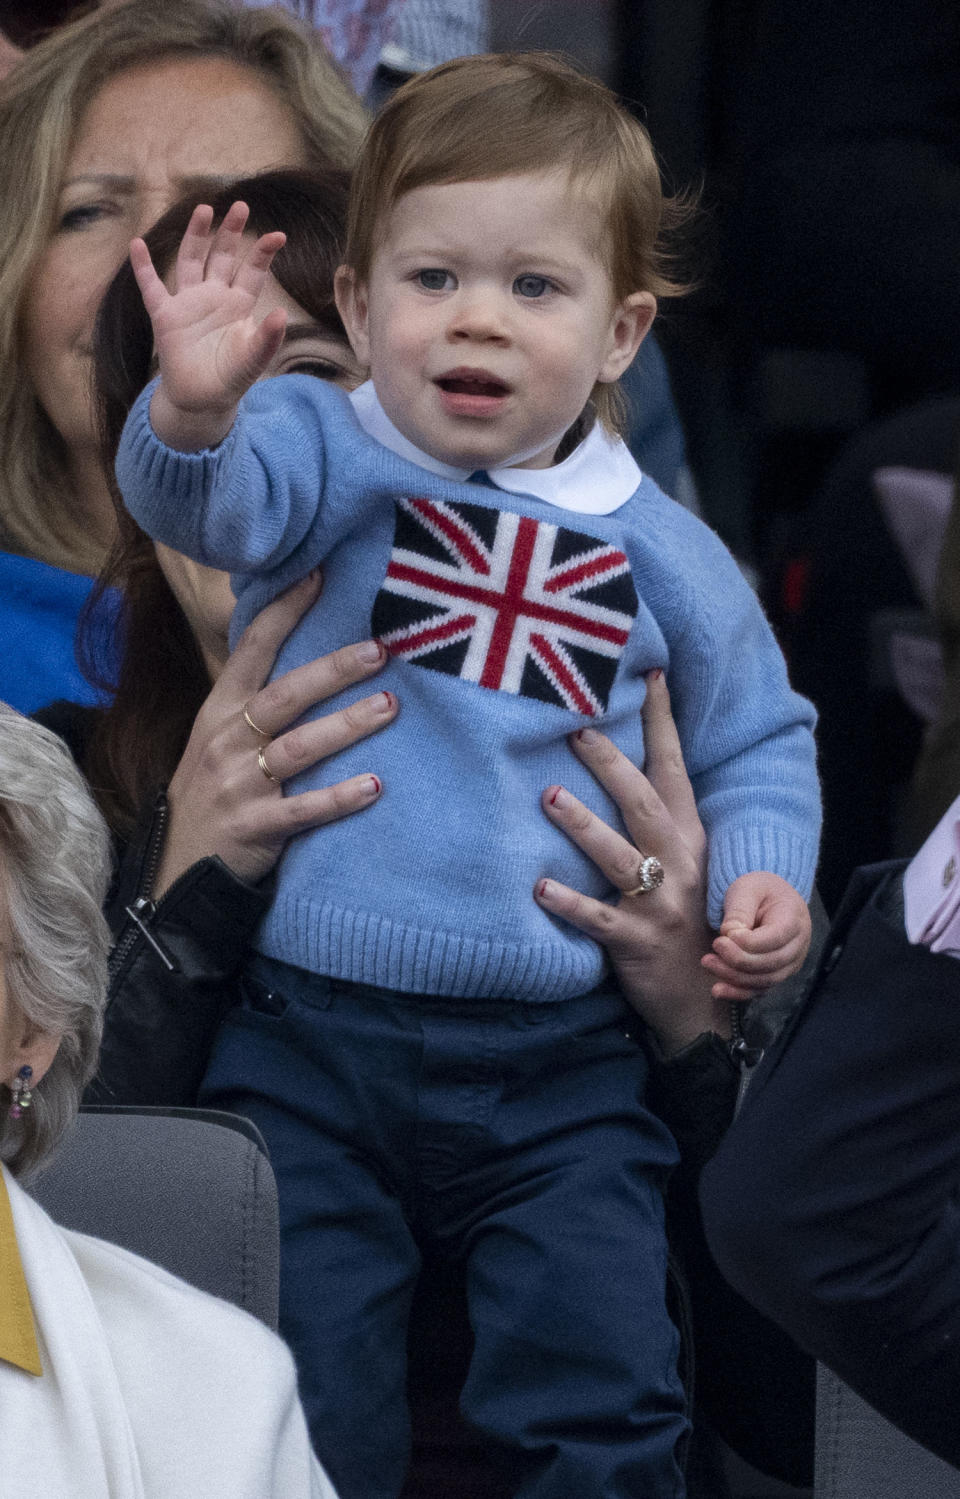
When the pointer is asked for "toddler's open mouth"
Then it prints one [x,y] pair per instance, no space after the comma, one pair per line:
[470,383]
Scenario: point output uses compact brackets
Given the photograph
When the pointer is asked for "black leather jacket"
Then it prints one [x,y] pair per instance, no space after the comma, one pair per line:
[175,964]
[174,971]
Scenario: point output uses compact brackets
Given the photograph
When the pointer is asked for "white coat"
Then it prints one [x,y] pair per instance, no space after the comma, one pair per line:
[150,1389]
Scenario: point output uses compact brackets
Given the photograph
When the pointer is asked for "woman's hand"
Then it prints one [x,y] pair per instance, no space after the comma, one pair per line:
[656,938]
[222,800]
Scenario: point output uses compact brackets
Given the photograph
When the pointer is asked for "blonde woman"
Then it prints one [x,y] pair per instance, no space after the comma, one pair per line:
[102,126]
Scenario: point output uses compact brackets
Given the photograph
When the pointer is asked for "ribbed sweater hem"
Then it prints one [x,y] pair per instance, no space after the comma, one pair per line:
[367,948]
[739,848]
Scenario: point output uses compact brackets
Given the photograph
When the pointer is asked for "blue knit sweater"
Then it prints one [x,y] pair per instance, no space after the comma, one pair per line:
[513,621]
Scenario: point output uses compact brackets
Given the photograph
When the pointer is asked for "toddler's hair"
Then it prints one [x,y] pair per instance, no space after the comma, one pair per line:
[503,114]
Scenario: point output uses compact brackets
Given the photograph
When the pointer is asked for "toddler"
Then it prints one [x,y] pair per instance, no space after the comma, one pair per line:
[429,1054]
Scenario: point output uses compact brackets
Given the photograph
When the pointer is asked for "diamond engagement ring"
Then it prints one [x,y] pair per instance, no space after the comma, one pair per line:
[649,875]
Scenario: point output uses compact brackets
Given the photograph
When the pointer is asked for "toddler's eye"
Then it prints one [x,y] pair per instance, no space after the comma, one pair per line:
[532,286]
[435,279]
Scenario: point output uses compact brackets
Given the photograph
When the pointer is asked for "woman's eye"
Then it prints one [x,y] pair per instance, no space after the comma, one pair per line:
[324,369]
[532,286]
[81,216]
[434,279]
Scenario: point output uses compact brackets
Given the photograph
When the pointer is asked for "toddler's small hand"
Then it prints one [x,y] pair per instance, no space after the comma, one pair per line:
[763,938]
[732,925]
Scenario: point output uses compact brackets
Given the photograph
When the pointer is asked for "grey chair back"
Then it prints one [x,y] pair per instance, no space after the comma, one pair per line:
[190,1189]
[860,1455]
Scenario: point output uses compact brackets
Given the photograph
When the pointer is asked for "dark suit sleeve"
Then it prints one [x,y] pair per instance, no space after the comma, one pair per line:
[831,1203]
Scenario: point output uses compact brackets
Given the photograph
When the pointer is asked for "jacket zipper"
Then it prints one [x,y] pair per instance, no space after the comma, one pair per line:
[744,1056]
[143,909]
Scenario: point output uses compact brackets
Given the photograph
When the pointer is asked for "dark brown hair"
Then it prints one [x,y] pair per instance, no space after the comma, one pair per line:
[162,678]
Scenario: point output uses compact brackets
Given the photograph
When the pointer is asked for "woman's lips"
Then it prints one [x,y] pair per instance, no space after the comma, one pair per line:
[471,393]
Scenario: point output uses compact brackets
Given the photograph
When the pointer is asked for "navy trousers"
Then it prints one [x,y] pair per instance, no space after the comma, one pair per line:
[510,1136]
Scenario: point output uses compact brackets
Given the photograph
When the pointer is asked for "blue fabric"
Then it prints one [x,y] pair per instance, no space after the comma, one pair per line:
[511,1137]
[425,33]
[430,891]
[39,609]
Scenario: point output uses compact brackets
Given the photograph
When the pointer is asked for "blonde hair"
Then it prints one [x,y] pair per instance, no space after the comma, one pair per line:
[503,114]
[42,101]
[54,865]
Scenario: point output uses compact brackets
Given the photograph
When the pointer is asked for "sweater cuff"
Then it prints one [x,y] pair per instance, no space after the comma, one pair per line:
[738,849]
[147,468]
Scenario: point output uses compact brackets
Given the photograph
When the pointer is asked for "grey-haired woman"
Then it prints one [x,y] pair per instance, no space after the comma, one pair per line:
[117,1381]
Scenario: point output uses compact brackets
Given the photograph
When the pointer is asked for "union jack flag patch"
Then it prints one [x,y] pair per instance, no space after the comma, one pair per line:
[507,602]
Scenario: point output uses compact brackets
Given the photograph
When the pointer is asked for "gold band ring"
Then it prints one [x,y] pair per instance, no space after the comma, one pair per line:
[649,875]
[255,727]
[261,761]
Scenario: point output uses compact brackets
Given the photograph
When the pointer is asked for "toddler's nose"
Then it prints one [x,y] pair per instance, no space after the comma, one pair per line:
[478,316]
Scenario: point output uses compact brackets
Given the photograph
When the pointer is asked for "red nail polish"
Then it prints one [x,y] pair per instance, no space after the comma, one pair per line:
[377,788]
[541,888]
[553,799]
[390,700]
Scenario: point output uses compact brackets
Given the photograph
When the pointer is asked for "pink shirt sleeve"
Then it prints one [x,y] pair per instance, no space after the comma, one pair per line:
[931,888]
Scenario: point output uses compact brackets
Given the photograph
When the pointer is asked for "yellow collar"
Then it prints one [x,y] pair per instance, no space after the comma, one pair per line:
[18,1333]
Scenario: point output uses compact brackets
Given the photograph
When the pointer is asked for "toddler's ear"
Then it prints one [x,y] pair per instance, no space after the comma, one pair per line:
[629,326]
[351,299]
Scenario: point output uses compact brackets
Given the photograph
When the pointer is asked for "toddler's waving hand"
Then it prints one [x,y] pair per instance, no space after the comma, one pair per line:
[210,347]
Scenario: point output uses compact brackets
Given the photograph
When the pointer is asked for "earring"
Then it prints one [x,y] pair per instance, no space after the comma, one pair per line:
[22,1097]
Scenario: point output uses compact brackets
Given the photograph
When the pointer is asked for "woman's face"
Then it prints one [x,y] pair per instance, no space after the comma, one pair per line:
[20,1043]
[204,593]
[151,134]
[7,1067]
